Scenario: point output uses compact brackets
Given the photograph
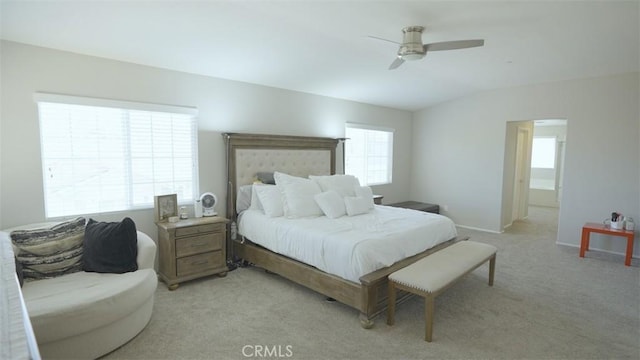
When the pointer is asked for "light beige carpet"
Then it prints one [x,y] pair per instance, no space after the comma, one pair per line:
[547,303]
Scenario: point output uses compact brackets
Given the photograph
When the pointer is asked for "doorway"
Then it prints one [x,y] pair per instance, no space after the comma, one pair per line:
[547,163]
[531,187]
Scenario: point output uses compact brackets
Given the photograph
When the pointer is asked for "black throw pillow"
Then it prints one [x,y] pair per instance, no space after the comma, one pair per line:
[110,247]
[19,271]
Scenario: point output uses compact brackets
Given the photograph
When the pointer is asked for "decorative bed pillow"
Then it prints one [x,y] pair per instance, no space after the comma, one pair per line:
[331,204]
[110,247]
[297,195]
[266,178]
[365,192]
[270,200]
[344,185]
[50,252]
[356,205]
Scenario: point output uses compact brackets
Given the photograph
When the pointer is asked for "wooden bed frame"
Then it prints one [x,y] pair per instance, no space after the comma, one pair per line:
[370,296]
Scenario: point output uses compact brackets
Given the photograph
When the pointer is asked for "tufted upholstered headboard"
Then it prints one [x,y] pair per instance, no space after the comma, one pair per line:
[248,154]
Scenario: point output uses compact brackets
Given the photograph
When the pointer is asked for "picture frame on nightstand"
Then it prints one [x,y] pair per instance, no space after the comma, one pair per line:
[165,206]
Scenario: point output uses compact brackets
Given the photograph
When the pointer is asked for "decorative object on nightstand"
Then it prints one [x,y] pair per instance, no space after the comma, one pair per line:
[197,208]
[209,201]
[191,249]
[166,206]
[420,206]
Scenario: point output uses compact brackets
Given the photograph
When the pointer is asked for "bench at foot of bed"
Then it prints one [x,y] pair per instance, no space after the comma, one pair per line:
[430,276]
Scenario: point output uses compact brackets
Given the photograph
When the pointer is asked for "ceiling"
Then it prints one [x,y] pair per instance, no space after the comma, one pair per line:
[322,47]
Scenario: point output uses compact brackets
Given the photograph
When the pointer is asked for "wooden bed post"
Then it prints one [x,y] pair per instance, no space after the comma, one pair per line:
[231,211]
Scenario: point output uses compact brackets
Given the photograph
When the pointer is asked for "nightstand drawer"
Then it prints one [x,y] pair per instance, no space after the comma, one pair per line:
[199,263]
[198,244]
[199,229]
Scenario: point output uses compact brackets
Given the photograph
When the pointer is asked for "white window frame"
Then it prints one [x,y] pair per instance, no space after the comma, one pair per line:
[360,165]
[127,115]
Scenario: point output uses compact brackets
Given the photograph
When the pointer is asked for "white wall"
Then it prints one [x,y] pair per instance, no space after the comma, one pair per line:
[459,147]
[224,106]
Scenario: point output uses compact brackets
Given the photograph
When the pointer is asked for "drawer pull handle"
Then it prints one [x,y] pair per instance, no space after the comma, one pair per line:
[199,262]
[194,245]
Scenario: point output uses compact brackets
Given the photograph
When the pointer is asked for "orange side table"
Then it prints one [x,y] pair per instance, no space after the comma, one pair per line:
[588,228]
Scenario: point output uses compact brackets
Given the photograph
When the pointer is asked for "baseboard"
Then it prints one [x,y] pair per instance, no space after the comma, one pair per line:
[567,244]
[591,248]
[479,229]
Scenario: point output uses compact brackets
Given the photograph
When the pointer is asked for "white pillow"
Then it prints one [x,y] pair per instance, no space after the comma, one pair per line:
[297,195]
[270,200]
[255,201]
[243,201]
[344,185]
[331,204]
[366,193]
[356,205]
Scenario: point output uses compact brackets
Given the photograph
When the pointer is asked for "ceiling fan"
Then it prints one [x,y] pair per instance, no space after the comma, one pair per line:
[412,47]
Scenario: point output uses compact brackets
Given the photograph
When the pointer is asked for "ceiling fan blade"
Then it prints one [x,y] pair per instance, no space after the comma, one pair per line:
[397,62]
[387,40]
[453,45]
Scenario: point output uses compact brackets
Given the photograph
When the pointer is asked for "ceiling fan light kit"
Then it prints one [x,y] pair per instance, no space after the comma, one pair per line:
[412,47]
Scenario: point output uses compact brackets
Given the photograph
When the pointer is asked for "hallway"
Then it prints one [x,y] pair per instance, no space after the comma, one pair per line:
[541,221]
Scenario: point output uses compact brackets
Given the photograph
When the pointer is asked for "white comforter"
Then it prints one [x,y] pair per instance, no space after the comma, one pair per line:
[349,247]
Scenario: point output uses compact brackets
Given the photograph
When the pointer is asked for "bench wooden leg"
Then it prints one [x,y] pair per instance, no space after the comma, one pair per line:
[429,305]
[492,269]
[391,304]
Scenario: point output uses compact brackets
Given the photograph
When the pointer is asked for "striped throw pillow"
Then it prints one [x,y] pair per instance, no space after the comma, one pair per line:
[50,252]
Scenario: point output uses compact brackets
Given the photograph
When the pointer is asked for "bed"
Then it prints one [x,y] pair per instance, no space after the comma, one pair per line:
[361,284]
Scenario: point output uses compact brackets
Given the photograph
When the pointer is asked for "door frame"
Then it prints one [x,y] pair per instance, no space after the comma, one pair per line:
[522,172]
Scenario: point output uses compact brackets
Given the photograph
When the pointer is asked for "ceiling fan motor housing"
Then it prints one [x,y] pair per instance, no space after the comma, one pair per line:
[412,47]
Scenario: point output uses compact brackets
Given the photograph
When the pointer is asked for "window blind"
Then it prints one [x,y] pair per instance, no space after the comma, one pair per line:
[369,153]
[108,158]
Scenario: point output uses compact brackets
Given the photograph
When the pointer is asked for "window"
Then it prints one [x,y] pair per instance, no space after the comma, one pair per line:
[369,153]
[543,153]
[102,156]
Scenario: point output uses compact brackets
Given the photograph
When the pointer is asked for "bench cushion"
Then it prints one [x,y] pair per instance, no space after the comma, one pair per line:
[438,270]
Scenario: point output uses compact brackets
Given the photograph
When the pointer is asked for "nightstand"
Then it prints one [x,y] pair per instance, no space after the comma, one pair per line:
[191,249]
[377,199]
[416,205]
